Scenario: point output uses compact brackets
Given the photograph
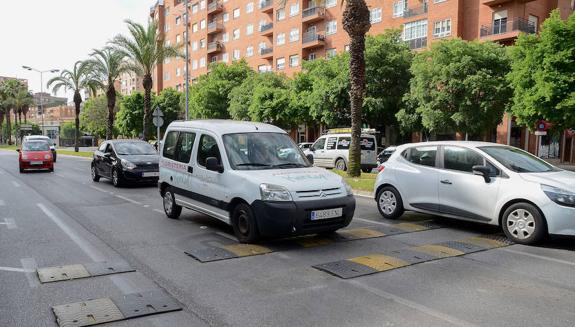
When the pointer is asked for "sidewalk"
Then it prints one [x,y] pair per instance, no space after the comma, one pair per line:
[557,163]
[81,149]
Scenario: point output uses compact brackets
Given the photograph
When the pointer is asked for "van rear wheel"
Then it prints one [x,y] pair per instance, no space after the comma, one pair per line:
[244,224]
[340,164]
[171,209]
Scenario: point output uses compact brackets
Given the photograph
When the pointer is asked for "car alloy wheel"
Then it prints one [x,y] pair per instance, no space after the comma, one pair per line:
[116,178]
[94,174]
[243,224]
[387,202]
[171,209]
[168,203]
[521,224]
[340,164]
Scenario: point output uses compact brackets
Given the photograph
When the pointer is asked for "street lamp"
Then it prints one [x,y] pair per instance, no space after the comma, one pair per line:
[41,88]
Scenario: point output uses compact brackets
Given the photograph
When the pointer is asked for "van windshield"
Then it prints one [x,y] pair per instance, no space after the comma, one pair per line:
[256,151]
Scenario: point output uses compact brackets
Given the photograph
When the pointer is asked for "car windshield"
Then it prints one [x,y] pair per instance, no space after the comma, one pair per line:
[254,151]
[517,160]
[134,148]
[35,146]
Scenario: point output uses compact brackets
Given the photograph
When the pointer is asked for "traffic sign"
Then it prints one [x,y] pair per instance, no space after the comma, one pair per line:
[158,113]
[540,133]
[158,121]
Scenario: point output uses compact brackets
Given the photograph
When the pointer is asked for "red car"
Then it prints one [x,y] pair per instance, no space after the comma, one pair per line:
[35,155]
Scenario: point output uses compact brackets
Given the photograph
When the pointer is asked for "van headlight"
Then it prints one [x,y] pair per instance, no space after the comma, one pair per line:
[270,192]
[126,164]
[347,187]
[559,196]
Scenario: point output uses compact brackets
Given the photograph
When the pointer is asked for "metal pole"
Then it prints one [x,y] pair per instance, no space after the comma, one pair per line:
[158,128]
[42,100]
[187,63]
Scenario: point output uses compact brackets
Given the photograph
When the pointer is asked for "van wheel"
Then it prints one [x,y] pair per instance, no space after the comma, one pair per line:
[171,209]
[340,164]
[389,203]
[524,224]
[244,224]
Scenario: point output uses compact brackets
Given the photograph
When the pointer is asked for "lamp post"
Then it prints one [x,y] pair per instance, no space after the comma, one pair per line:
[41,88]
[187,59]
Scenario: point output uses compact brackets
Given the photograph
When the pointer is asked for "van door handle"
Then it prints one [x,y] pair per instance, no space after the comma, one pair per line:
[446,181]
[190,169]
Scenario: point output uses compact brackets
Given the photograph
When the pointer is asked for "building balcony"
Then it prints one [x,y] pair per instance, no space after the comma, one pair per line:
[312,40]
[215,7]
[504,30]
[266,6]
[215,27]
[416,11]
[266,53]
[417,43]
[267,29]
[215,47]
[499,2]
[312,14]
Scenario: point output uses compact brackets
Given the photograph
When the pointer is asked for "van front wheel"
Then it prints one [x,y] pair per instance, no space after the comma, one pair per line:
[244,224]
[340,165]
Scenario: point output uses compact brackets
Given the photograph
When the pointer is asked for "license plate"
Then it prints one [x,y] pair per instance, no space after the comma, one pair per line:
[36,162]
[151,174]
[326,214]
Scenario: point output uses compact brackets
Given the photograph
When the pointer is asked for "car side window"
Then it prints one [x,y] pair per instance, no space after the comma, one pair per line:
[109,149]
[343,143]
[331,143]
[208,147]
[185,146]
[319,144]
[461,159]
[423,155]
[170,145]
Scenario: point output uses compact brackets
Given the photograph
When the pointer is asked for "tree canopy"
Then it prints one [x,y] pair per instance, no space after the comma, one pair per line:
[94,116]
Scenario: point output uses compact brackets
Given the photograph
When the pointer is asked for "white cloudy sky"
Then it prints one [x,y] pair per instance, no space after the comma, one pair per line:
[54,34]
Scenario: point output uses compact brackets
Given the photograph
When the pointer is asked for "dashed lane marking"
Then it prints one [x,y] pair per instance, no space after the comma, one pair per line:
[9,223]
[24,270]
[98,189]
[129,200]
[565,262]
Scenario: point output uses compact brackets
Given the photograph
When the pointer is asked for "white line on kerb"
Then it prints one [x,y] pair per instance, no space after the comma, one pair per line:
[565,262]
[15,183]
[128,199]
[24,270]
[372,222]
[413,305]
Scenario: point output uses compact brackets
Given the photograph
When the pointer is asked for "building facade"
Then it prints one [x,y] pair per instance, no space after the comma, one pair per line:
[130,83]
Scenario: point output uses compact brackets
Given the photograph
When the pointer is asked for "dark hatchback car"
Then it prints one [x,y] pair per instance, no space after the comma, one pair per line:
[126,161]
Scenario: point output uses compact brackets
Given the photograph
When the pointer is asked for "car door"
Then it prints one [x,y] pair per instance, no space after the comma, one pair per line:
[319,156]
[331,153]
[99,156]
[175,161]
[463,194]
[418,179]
[108,160]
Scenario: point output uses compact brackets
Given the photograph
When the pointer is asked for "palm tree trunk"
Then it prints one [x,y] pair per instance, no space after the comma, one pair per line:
[1,123]
[147,83]
[9,127]
[77,102]
[111,95]
[19,116]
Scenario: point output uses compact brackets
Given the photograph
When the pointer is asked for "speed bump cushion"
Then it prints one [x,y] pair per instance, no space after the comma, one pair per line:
[87,313]
[54,274]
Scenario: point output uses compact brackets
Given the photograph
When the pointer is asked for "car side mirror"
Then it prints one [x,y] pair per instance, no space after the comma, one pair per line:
[309,158]
[107,155]
[213,165]
[482,171]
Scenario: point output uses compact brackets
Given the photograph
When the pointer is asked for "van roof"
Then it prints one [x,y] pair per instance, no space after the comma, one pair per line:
[223,126]
[348,135]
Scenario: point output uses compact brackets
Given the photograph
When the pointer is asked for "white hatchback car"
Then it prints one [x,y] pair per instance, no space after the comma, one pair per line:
[481,182]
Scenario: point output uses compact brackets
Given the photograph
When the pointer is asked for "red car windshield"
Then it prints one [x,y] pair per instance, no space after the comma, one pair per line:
[35,146]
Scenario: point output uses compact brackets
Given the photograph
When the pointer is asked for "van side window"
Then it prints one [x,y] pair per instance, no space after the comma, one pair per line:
[423,155]
[367,143]
[185,145]
[331,142]
[319,144]
[343,143]
[207,148]
[170,145]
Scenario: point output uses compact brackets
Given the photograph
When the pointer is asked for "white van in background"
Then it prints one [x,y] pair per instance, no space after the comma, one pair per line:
[332,151]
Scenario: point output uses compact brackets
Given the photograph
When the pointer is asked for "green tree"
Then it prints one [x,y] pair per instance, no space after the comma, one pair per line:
[67,130]
[145,52]
[209,96]
[9,93]
[78,79]
[94,116]
[108,64]
[131,114]
[170,102]
[543,74]
[457,86]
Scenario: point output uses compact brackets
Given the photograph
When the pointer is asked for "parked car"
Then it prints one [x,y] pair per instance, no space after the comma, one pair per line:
[43,138]
[126,161]
[251,176]
[332,151]
[35,155]
[385,154]
[481,182]
[304,145]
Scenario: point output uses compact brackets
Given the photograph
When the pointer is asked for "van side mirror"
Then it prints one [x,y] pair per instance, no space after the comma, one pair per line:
[309,157]
[213,165]
[482,171]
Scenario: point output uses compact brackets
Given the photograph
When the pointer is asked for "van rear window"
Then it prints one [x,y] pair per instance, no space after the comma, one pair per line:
[368,143]
[343,143]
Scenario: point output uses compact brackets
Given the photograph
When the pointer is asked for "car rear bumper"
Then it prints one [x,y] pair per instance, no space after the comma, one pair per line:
[560,219]
[294,218]
[45,165]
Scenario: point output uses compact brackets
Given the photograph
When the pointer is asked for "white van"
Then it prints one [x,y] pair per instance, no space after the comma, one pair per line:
[332,151]
[251,176]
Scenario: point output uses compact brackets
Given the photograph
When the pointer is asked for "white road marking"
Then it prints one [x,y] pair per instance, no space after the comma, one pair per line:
[60,175]
[10,223]
[24,270]
[373,222]
[30,264]
[15,183]
[570,263]
[413,305]
[158,211]
[128,199]
[98,189]
[363,195]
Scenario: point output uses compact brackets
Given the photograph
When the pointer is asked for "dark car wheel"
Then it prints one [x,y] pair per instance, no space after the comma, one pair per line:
[54,156]
[171,209]
[389,202]
[117,178]
[94,173]
[244,224]
[524,224]
[340,165]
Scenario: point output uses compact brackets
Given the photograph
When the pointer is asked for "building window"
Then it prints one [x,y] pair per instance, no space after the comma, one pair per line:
[203,4]
[194,64]
[281,39]
[281,15]
[442,28]
[166,27]
[178,72]
[203,62]
[330,3]
[249,51]
[281,63]
[375,15]
[214,59]
[264,68]
[330,53]
[236,13]
[249,7]
[399,7]
[225,37]
[311,56]
[249,29]
[195,28]
[438,1]
[195,46]
[178,20]
[294,35]
[331,27]
[225,17]
[166,76]
[500,22]
[236,34]
[533,23]
[178,39]
[415,30]
[225,57]
[203,24]
[202,43]
[293,61]
[195,8]
[236,54]
[294,9]
[346,48]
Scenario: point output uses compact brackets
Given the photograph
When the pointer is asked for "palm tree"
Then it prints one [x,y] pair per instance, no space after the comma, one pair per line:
[22,101]
[145,52]
[108,64]
[9,90]
[80,78]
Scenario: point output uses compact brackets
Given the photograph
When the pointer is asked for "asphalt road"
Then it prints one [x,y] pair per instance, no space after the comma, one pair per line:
[61,218]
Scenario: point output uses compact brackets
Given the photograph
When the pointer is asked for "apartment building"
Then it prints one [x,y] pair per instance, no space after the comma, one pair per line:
[5,78]
[129,83]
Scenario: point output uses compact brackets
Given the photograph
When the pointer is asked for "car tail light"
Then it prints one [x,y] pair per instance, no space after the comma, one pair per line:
[380,168]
